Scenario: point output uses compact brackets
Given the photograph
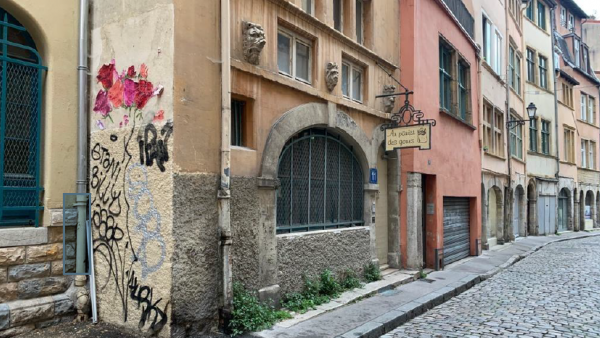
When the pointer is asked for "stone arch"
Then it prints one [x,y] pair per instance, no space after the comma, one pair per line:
[315,115]
[589,211]
[34,28]
[597,219]
[519,212]
[495,229]
[532,226]
[565,211]
[292,122]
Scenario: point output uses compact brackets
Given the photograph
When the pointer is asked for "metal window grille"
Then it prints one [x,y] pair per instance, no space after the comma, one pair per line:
[321,184]
[237,122]
[20,124]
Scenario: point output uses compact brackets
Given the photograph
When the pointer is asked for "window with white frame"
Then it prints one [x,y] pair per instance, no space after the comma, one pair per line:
[338,15]
[498,54]
[583,153]
[530,65]
[588,154]
[514,71]
[584,107]
[543,71]
[571,22]
[591,110]
[308,6]
[352,81]
[576,52]
[487,40]
[563,16]
[493,129]
[294,56]
[516,140]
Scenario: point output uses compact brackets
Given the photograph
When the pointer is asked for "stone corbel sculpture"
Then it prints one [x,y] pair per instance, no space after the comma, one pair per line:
[390,101]
[253,41]
[332,73]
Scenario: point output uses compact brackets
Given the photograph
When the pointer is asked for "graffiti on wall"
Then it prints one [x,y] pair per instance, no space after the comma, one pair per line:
[129,90]
[126,220]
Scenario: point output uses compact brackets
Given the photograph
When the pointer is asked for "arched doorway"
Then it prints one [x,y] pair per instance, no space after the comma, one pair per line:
[321,184]
[518,211]
[21,130]
[532,227]
[495,216]
[589,212]
[564,210]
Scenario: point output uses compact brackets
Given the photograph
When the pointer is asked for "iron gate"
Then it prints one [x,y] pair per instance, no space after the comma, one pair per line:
[20,125]
[321,184]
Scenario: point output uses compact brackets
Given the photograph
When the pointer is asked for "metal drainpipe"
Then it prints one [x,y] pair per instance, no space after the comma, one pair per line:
[507,204]
[223,195]
[82,137]
[553,27]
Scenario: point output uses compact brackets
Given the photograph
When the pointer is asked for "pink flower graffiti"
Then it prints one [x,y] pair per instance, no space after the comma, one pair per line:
[129,90]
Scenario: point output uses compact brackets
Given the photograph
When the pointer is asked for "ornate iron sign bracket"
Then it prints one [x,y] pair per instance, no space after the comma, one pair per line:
[407,115]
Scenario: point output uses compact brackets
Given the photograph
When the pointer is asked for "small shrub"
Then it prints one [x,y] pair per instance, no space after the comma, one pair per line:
[329,285]
[350,280]
[372,273]
[297,302]
[311,287]
[422,275]
[249,314]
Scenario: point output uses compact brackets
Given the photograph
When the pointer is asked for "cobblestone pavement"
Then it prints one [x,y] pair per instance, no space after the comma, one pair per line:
[554,292]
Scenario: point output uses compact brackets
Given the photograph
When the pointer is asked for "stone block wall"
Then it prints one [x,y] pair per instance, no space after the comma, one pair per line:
[33,290]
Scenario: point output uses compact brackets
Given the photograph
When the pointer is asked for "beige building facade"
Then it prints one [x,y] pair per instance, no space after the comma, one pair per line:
[39,163]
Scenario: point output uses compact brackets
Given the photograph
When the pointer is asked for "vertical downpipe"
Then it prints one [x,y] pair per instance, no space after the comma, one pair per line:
[507,195]
[223,196]
[552,28]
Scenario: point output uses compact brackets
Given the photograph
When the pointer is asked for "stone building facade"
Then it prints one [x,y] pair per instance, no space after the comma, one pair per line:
[304,81]
[40,110]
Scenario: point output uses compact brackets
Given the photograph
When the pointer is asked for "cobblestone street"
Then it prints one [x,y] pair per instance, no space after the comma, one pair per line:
[553,293]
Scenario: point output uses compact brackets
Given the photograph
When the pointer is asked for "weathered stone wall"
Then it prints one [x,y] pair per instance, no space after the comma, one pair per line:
[32,284]
[196,269]
[311,253]
[588,177]
[245,222]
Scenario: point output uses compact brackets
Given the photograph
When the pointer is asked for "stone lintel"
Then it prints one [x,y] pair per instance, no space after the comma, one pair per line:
[23,236]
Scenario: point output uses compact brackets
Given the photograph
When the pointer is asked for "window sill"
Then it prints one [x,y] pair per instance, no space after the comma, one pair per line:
[540,87]
[566,105]
[489,68]
[535,153]
[242,148]
[447,113]
[568,163]
[589,124]
[513,157]
[536,25]
[494,155]
[588,169]
[318,232]
[351,99]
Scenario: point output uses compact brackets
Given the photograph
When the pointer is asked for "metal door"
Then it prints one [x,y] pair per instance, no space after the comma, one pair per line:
[20,124]
[547,215]
[456,229]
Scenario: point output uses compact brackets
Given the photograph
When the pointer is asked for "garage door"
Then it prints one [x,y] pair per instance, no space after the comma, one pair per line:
[456,229]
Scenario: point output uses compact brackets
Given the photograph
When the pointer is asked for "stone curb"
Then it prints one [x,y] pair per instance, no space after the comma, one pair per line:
[393,319]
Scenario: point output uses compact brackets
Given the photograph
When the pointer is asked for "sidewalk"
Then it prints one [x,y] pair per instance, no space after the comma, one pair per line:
[391,307]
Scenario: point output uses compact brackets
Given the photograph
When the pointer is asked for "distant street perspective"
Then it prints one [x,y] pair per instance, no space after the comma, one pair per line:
[552,293]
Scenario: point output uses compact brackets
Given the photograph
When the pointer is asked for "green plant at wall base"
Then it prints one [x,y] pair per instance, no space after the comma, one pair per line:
[249,314]
[422,275]
[350,280]
[329,285]
[372,273]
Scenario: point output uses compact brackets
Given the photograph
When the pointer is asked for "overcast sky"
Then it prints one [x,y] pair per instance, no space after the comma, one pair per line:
[591,7]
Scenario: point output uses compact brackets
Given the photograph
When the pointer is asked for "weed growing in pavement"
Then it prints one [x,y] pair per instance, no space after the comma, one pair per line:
[249,314]
[422,275]
[320,291]
[372,273]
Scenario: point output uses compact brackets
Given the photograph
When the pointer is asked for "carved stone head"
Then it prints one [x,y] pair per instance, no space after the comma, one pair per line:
[390,101]
[332,74]
[253,41]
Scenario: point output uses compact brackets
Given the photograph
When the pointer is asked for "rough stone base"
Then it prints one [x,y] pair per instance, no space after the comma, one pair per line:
[270,295]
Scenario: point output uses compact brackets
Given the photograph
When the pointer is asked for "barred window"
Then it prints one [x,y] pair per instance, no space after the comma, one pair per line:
[321,184]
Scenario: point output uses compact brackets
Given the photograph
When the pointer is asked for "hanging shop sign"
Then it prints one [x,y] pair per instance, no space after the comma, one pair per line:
[415,136]
[408,128]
